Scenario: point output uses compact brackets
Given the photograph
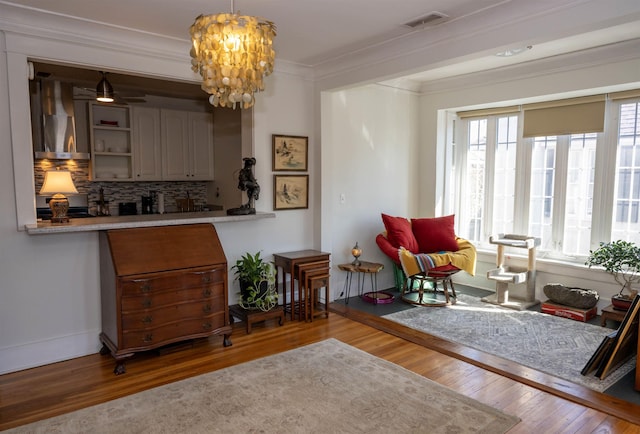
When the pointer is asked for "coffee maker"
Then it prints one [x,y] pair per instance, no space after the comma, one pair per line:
[147,204]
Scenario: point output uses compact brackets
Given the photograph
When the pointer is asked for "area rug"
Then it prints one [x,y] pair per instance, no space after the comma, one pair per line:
[554,345]
[324,387]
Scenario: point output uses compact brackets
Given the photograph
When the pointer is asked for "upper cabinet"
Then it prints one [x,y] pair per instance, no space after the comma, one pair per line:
[150,144]
[111,144]
[187,145]
[147,148]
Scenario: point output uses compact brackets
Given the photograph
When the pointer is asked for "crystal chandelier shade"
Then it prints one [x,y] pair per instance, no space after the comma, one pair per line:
[233,54]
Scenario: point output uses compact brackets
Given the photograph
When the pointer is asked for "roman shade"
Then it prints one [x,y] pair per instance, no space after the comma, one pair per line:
[489,111]
[567,116]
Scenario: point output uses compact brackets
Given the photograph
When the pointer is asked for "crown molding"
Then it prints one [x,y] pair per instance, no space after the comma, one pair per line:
[516,23]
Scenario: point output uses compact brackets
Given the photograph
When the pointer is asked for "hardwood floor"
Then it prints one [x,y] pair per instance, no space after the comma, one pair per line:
[42,392]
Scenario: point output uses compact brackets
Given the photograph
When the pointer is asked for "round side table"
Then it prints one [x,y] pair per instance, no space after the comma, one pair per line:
[363,267]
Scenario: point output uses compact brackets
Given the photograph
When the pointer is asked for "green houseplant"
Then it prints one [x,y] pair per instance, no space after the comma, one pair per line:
[621,259]
[257,280]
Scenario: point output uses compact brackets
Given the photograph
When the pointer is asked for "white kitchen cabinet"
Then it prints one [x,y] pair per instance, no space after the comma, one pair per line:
[111,147]
[147,147]
[187,145]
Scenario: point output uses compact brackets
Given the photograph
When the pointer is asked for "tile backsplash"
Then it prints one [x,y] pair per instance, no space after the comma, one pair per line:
[117,192]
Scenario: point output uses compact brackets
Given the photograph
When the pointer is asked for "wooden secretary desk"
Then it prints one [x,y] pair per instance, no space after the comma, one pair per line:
[161,285]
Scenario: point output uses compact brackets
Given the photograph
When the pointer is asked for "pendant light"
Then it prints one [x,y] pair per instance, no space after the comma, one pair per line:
[233,54]
[104,90]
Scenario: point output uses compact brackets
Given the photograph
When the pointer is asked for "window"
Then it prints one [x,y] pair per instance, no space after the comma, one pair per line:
[627,186]
[546,186]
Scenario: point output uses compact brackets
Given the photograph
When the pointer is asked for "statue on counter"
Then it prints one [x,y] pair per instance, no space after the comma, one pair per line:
[247,182]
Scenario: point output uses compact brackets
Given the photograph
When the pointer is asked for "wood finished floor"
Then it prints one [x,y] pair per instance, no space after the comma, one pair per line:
[43,392]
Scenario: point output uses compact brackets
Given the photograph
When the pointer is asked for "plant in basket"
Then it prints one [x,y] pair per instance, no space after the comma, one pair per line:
[257,280]
[621,259]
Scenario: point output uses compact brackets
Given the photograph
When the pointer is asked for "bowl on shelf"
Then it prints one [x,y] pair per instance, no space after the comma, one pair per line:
[118,149]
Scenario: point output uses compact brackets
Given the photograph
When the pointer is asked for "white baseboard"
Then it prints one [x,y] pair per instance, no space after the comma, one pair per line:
[31,355]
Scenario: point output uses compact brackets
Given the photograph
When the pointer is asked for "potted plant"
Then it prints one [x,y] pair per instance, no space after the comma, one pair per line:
[257,280]
[621,259]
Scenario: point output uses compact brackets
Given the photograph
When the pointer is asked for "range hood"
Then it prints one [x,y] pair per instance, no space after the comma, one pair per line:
[53,121]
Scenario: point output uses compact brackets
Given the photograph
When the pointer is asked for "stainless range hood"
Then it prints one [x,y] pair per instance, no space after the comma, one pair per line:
[53,121]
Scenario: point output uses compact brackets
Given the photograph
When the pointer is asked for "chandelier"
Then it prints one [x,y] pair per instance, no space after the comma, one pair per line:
[233,54]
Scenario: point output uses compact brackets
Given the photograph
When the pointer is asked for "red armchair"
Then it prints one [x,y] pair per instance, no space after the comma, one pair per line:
[421,236]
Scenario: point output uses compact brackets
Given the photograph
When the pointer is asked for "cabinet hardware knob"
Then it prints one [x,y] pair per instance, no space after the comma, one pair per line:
[147,319]
[206,326]
[206,308]
[207,292]
[206,278]
[146,287]
[148,337]
[146,302]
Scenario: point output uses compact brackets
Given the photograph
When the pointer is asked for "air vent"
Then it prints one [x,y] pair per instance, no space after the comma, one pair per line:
[429,20]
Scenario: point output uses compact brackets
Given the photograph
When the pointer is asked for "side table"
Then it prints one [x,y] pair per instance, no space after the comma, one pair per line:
[610,313]
[288,261]
[371,268]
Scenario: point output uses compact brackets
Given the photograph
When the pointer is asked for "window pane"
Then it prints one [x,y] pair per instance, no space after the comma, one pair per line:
[542,184]
[505,175]
[476,166]
[576,239]
[627,200]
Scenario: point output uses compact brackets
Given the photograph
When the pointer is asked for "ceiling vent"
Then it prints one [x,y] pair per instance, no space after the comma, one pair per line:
[429,20]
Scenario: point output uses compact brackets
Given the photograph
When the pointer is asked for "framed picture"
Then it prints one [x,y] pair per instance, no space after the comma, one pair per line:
[290,192]
[290,153]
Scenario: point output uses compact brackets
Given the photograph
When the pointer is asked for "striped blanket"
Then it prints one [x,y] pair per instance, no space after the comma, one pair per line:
[464,259]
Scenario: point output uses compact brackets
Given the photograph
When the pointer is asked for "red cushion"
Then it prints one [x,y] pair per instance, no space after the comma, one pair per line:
[399,233]
[435,234]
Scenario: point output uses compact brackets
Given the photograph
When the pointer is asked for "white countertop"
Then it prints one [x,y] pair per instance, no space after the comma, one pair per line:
[138,221]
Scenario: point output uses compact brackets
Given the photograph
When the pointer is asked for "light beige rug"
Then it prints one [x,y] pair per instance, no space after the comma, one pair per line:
[327,387]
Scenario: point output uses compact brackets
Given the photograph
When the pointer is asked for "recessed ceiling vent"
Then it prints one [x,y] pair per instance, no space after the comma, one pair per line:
[429,20]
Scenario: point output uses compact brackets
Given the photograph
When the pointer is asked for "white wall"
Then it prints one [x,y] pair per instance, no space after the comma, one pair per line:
[369,155]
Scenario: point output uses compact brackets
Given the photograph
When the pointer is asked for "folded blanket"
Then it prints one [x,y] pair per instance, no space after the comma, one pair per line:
[464,259]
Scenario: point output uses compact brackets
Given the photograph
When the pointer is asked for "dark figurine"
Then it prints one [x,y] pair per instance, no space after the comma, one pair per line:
[247,182]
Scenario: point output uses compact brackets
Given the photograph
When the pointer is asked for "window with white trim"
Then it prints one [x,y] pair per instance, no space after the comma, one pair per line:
[572,190]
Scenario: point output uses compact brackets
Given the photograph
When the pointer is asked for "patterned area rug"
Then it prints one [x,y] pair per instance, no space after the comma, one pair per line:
[554,345]
[324,387]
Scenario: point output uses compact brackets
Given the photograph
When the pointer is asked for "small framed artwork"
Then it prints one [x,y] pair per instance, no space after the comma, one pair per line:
[290,192]
[290,153]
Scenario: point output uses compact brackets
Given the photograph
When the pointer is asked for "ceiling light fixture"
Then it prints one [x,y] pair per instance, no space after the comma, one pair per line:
[233,54]
[513,51]
[104,90]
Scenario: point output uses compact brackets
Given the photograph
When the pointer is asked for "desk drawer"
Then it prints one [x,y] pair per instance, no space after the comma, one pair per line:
[171,332]
[168,298]
[145,284]
[150,318]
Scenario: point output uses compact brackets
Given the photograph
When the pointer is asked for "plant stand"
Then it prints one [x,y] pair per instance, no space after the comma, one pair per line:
[251,317]
[505,274]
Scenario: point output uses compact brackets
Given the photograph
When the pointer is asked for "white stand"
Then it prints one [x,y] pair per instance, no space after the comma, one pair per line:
[505,274]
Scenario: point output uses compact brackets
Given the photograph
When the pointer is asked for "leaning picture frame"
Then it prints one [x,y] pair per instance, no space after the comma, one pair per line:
[290,192]
[290,153]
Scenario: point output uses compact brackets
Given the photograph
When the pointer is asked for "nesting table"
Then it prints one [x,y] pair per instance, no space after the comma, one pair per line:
[288,261]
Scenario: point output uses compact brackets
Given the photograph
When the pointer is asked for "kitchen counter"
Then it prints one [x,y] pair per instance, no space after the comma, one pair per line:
[138,221]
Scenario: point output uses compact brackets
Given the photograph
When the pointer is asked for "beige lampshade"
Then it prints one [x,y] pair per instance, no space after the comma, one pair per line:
[58,181]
